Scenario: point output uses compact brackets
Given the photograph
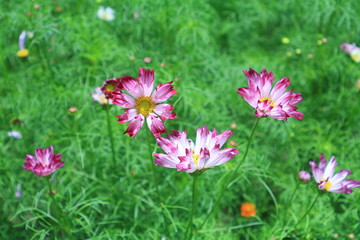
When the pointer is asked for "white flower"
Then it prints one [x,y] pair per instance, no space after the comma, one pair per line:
[15,134]
[107,14]
[355,55]
[100,97]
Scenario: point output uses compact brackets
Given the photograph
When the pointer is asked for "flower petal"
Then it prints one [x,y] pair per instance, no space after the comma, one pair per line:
[135,125]
[164,111]
[163,92]
[146,77]
[155,125]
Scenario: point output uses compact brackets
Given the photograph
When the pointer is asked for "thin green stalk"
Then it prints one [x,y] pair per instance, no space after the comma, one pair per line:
[110,132]
[290,200]
[312,205]
[233,175]
[149,137]
[193,208]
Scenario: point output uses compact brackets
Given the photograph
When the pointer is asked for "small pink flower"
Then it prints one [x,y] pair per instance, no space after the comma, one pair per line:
[44,162]
[181,153]
[304,176]
[274,102]
[142,102]
[326,180]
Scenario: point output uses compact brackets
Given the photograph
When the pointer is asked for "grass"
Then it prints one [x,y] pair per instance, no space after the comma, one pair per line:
[205,46]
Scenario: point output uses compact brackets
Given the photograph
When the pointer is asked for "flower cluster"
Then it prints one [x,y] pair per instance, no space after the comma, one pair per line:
[181,153]
[106,14]
[352,50]
[44,162]
[141,101]
[275,102]
[326,180]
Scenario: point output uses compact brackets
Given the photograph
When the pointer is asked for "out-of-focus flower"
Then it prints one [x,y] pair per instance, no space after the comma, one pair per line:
[324,40]
[30,34]
[304,176]
[326,180]
[132,58]
[58,9]
[335,235]
[136,15]
[44,162]
[351,236]
[162,65]
[113,85]
[248,210]
[357,84]
[15,134]
[275,102]
[285,40]
[28,14]
[310,56]
[289,54]
[100,97]
[298,51]
[106,14]
[142,102]
[352,50]
[233,125]
[18,193]
[181,153]
[23,52]
[72,109]
[233,143]
[147,60]
[37,6]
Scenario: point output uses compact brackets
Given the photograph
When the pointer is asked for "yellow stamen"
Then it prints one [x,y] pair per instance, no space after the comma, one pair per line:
[105,16]
[268,99]
[196,159]
[23,53]
[327,185]
[144,105]
[110,87]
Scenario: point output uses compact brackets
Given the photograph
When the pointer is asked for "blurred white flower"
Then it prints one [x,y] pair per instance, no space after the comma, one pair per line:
[100,97]
[15,134]
[106,14]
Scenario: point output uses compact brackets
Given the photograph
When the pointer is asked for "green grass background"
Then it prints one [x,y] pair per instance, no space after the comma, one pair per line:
[205,45]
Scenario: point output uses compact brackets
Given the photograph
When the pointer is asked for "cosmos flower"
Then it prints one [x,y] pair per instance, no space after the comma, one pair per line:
[100,97]
[106,14]
[181,153]
[15,134]
[113,85]
[248,210]
[304,176]
[274,102]
[326,180]
[142,102]
[23,52]
[352,50]
[44,162]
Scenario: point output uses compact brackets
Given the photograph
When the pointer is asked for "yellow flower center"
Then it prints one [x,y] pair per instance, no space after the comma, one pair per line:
[109,87]
[105,16]
[327,185]
[23,53]
[144,105]
[356,57]
[196,159]
[268,99]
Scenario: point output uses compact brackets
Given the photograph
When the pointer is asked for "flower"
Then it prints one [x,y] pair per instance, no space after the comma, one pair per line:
[275,103]
[352,50]
[107,14]
[147,60]
[326,180]
[44,162]
[285,40]
[248,210]
[298,51]
[113,85]
[184,155]
[72,109]
[23,52]
[15,134]
[100,97]
[304,176]
[142,102]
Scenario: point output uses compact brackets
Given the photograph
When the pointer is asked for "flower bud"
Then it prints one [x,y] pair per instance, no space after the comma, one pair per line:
[304,176]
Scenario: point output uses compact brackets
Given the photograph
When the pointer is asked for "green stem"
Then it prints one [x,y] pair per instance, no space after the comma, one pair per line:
[149,137]
[290,200]
[193,208]
[312,205]
[233,175]
[58,212]
[110,132]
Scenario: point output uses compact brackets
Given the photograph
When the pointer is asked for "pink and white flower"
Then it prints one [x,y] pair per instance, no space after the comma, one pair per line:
[326,180]
[352,50]
[274,102]
[113,85]
[44,162]
[142,102]
[100,97]
[181,153]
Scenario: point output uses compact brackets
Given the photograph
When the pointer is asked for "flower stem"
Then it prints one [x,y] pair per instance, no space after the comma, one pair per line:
[232,176]
[312,205]
[110,132]
[194,201]
[153,168]
[288,204]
